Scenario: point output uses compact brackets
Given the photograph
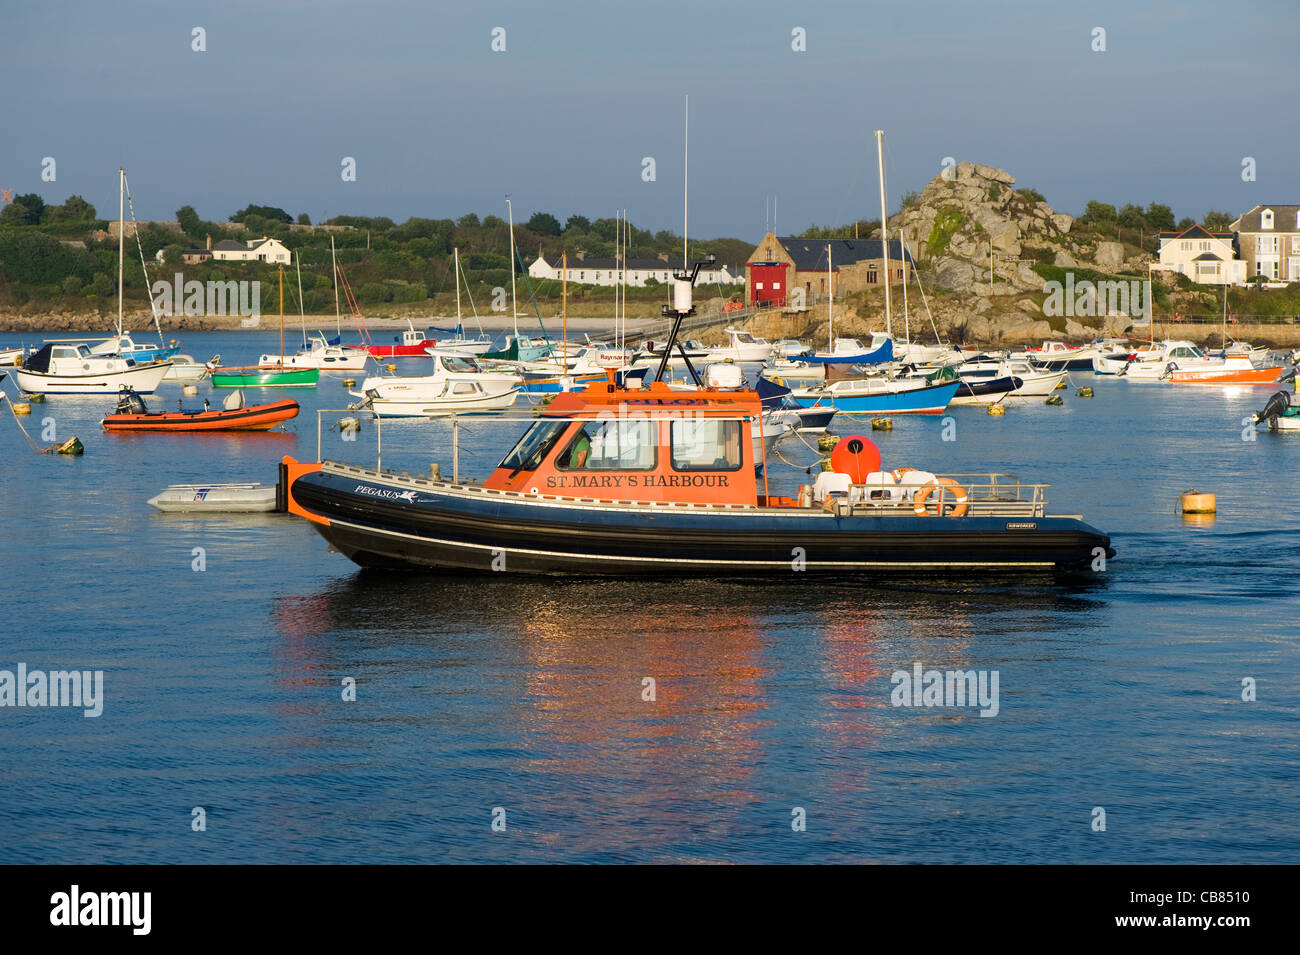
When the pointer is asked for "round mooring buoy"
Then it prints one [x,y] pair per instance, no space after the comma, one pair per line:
[349,382]
[21,407]
[1085,392]
[1055,400]
[827,442]
[881,424]
[1194,502]
[855,456]
[1061,385]
[190,390]
[391,367]
[997,410]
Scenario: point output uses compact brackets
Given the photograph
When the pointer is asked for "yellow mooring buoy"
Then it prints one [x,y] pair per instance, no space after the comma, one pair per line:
[352,382]
[1085,392]
[882,424]
[21,407]
[996,410]
[392,367]
[1194,502]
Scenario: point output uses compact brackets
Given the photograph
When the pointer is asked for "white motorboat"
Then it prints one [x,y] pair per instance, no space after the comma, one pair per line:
[741,347]
[11,356]
[1170,356]
[71,369]
[789,347]
[319,353]
[186,368]
[1033,382]
[1280,414]
[127,347]
[456,385]
[1058,356]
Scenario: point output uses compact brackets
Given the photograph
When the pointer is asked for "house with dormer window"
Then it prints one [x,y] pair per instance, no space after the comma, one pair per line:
[1268,240]
[1207,258]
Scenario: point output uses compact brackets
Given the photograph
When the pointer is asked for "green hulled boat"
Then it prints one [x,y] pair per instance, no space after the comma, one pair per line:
[270,377]
[267,376]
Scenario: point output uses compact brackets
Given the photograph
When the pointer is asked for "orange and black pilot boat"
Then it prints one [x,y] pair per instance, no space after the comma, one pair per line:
[615,480]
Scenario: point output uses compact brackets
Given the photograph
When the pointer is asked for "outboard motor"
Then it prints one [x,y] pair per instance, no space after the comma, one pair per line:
[128,402]
[1276,407]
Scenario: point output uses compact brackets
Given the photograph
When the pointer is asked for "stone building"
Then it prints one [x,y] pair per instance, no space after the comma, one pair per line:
[783,270]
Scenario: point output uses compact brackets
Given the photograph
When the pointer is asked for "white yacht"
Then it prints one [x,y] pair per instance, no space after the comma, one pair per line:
[456,385]
[319,353]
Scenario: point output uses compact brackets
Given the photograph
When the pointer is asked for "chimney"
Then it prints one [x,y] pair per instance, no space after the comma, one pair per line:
[209,241]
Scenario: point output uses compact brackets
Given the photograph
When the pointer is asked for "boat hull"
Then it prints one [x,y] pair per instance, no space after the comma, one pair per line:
[254,418]
[1252,376]
[930,400]
[379,520]
[395,351]
[143,380]
[265,378]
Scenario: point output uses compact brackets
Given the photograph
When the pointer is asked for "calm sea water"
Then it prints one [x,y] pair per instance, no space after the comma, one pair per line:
[223,686]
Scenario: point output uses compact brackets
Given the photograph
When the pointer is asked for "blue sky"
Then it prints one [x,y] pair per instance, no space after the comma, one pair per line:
[440,125]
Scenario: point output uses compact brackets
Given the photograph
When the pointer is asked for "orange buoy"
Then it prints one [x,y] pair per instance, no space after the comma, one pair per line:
[1194,502]
[855,456]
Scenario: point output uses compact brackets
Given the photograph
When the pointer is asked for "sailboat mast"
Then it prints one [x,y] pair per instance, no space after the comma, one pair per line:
[121,246]
[884,225]
[338,326]
[564,304]
[459,330]
[830,311]
[514,308]
[302,309]
[907,329]
[282,316]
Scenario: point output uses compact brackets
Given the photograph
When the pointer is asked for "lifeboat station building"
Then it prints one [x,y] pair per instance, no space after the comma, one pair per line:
[780,265]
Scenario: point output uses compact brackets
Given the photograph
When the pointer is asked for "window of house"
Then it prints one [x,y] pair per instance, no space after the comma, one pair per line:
[707,445]
[628,445]
[1266,219]
[1187,246]
[1267,245]
[758,285]
[776,286]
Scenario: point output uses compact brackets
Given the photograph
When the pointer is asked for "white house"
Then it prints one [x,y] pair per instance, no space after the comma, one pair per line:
[1207,258]
[255,250]
[594,271]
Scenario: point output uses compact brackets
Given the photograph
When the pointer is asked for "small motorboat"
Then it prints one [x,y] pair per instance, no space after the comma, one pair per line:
[216,498]
[132,415]
[1279,414]
[185,368]
[411,344]
[72,369]
[777,399]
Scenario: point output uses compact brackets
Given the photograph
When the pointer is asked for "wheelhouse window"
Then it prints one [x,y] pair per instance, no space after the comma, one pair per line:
[706,445]
[627,445]
[533,447]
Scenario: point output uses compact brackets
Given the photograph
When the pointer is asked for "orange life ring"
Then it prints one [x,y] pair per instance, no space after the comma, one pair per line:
[942,484]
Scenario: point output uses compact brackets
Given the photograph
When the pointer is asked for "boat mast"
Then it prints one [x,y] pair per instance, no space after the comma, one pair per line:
[884,225]
[830,311]
[121,246]
[907,330]
[338,327]
[686,187]
[564,304]
[459,329]
[281,316]
[302,310]
[514,308]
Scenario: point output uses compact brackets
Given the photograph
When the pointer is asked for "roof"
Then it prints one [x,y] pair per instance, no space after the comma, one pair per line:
[1250,221]
[230,245]
[1207,257]
[652,265]
[1196,232]
[196,252]
[810,254]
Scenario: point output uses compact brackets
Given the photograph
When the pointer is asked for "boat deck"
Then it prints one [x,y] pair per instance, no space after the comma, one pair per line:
[989,495]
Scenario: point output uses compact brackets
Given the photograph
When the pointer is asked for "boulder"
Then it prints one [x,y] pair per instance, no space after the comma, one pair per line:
[1065,260]
[1109,256]
[954,274]
[1062,221]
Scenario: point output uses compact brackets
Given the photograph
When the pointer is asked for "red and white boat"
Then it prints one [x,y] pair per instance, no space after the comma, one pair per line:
[412,344]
